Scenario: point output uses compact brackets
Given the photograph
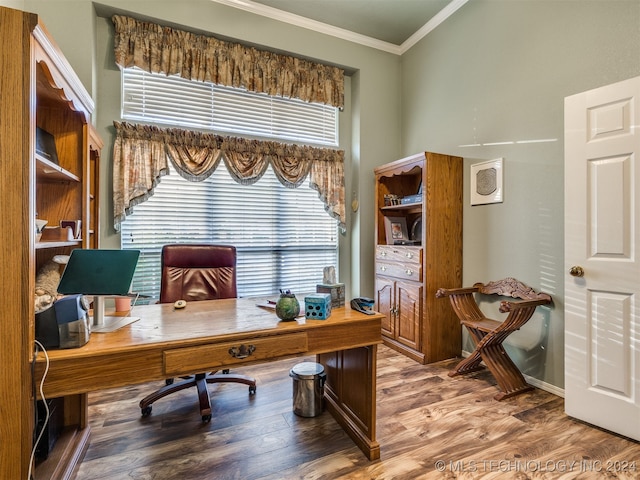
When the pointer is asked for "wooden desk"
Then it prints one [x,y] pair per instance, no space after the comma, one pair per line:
[166,343]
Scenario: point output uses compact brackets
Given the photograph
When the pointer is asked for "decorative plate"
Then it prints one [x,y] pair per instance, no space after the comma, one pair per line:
[416,230]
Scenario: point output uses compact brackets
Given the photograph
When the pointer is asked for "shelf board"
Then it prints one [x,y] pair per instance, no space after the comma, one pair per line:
[406,206]
[47,170]
[67,454]
[65,243]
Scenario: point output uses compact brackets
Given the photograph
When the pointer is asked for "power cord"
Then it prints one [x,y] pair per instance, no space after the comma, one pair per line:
[44,401]
[135,300]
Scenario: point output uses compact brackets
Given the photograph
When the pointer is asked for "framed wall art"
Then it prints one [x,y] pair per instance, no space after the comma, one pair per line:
[486,182]
[396,230]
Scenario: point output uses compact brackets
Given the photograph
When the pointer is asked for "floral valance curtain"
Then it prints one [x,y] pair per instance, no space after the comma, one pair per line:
[141,154]
[158,49]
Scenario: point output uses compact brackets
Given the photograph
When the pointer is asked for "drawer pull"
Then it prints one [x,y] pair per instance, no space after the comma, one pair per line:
[242,351]
[409,255]
[408,271]
[383,253]
[383,268]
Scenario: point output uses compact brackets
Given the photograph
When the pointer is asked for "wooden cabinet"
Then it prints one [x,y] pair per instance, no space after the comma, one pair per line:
[93,189]
[63,184]
[45,171]
[418,250]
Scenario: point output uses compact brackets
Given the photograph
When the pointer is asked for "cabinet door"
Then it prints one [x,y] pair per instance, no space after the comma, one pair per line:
[385,304]
[409,313]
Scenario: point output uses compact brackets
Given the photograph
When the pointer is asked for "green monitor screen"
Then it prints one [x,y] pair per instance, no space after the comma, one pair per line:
[99,272]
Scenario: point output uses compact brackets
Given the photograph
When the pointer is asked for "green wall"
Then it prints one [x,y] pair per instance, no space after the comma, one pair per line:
[17,4]
[495,71]
[498,71]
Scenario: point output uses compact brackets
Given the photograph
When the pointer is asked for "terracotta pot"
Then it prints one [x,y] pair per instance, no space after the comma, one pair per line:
[123,304]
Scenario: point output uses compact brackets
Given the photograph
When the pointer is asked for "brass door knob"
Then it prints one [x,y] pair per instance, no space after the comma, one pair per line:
[576,271]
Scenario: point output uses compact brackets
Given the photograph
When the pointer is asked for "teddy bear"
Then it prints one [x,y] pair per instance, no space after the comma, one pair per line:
[47,280]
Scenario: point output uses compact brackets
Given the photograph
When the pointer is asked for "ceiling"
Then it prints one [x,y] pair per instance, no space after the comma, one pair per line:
[390,25]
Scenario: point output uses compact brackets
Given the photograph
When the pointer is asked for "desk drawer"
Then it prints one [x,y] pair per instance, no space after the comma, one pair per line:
[410,271]
[399,253]
[211,357]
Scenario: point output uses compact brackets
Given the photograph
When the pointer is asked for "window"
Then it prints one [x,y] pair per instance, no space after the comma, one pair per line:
[283,236]
[176,101]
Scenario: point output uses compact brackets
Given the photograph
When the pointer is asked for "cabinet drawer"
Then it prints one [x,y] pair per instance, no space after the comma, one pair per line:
[406,271]
[210,357]
[399,253]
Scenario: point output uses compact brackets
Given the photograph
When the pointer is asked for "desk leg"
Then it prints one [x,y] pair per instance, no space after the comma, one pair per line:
[350,394]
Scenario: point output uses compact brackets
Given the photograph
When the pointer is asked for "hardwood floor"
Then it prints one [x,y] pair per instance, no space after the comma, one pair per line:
[430,426]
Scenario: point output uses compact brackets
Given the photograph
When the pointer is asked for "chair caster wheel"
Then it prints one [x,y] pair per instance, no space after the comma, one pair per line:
[252,390]
[206,418]
[225,371]
[146,411]
[168,381]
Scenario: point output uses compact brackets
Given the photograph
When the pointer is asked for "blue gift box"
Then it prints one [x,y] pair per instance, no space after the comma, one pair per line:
[317,306]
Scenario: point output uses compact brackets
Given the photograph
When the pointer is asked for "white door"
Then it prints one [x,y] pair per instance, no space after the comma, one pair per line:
[602,257]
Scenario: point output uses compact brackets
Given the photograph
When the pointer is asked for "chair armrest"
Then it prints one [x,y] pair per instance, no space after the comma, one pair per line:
[445,292]
[509,306]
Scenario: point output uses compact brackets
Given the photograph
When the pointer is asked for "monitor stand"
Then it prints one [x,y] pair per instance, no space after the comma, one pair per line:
[101,323]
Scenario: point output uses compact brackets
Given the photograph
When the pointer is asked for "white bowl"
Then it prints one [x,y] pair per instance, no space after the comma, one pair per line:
[40,225]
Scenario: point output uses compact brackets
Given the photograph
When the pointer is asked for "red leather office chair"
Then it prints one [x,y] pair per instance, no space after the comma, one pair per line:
[194,272]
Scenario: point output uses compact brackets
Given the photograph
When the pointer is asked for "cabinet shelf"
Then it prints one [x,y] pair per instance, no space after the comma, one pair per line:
[403,207]
[417,324]
[46,170]
[40,91]
[65,243]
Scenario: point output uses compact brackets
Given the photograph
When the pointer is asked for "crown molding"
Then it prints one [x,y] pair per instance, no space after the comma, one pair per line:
[303,22]
[428,27]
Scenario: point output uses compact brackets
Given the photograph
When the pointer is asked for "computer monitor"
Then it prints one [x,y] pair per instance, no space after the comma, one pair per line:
[100,273]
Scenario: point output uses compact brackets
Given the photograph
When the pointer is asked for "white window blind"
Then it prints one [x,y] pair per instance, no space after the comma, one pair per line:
[283,236]
[177,101]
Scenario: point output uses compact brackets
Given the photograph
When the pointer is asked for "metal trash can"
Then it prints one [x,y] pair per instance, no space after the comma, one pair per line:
[308,388]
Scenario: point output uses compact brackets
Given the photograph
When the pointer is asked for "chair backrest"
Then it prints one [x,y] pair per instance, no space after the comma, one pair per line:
[195,272]
[510,287]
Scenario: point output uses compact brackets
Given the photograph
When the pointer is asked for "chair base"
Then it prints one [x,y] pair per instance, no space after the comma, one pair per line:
[200,381]
[504,395]
[509,379]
